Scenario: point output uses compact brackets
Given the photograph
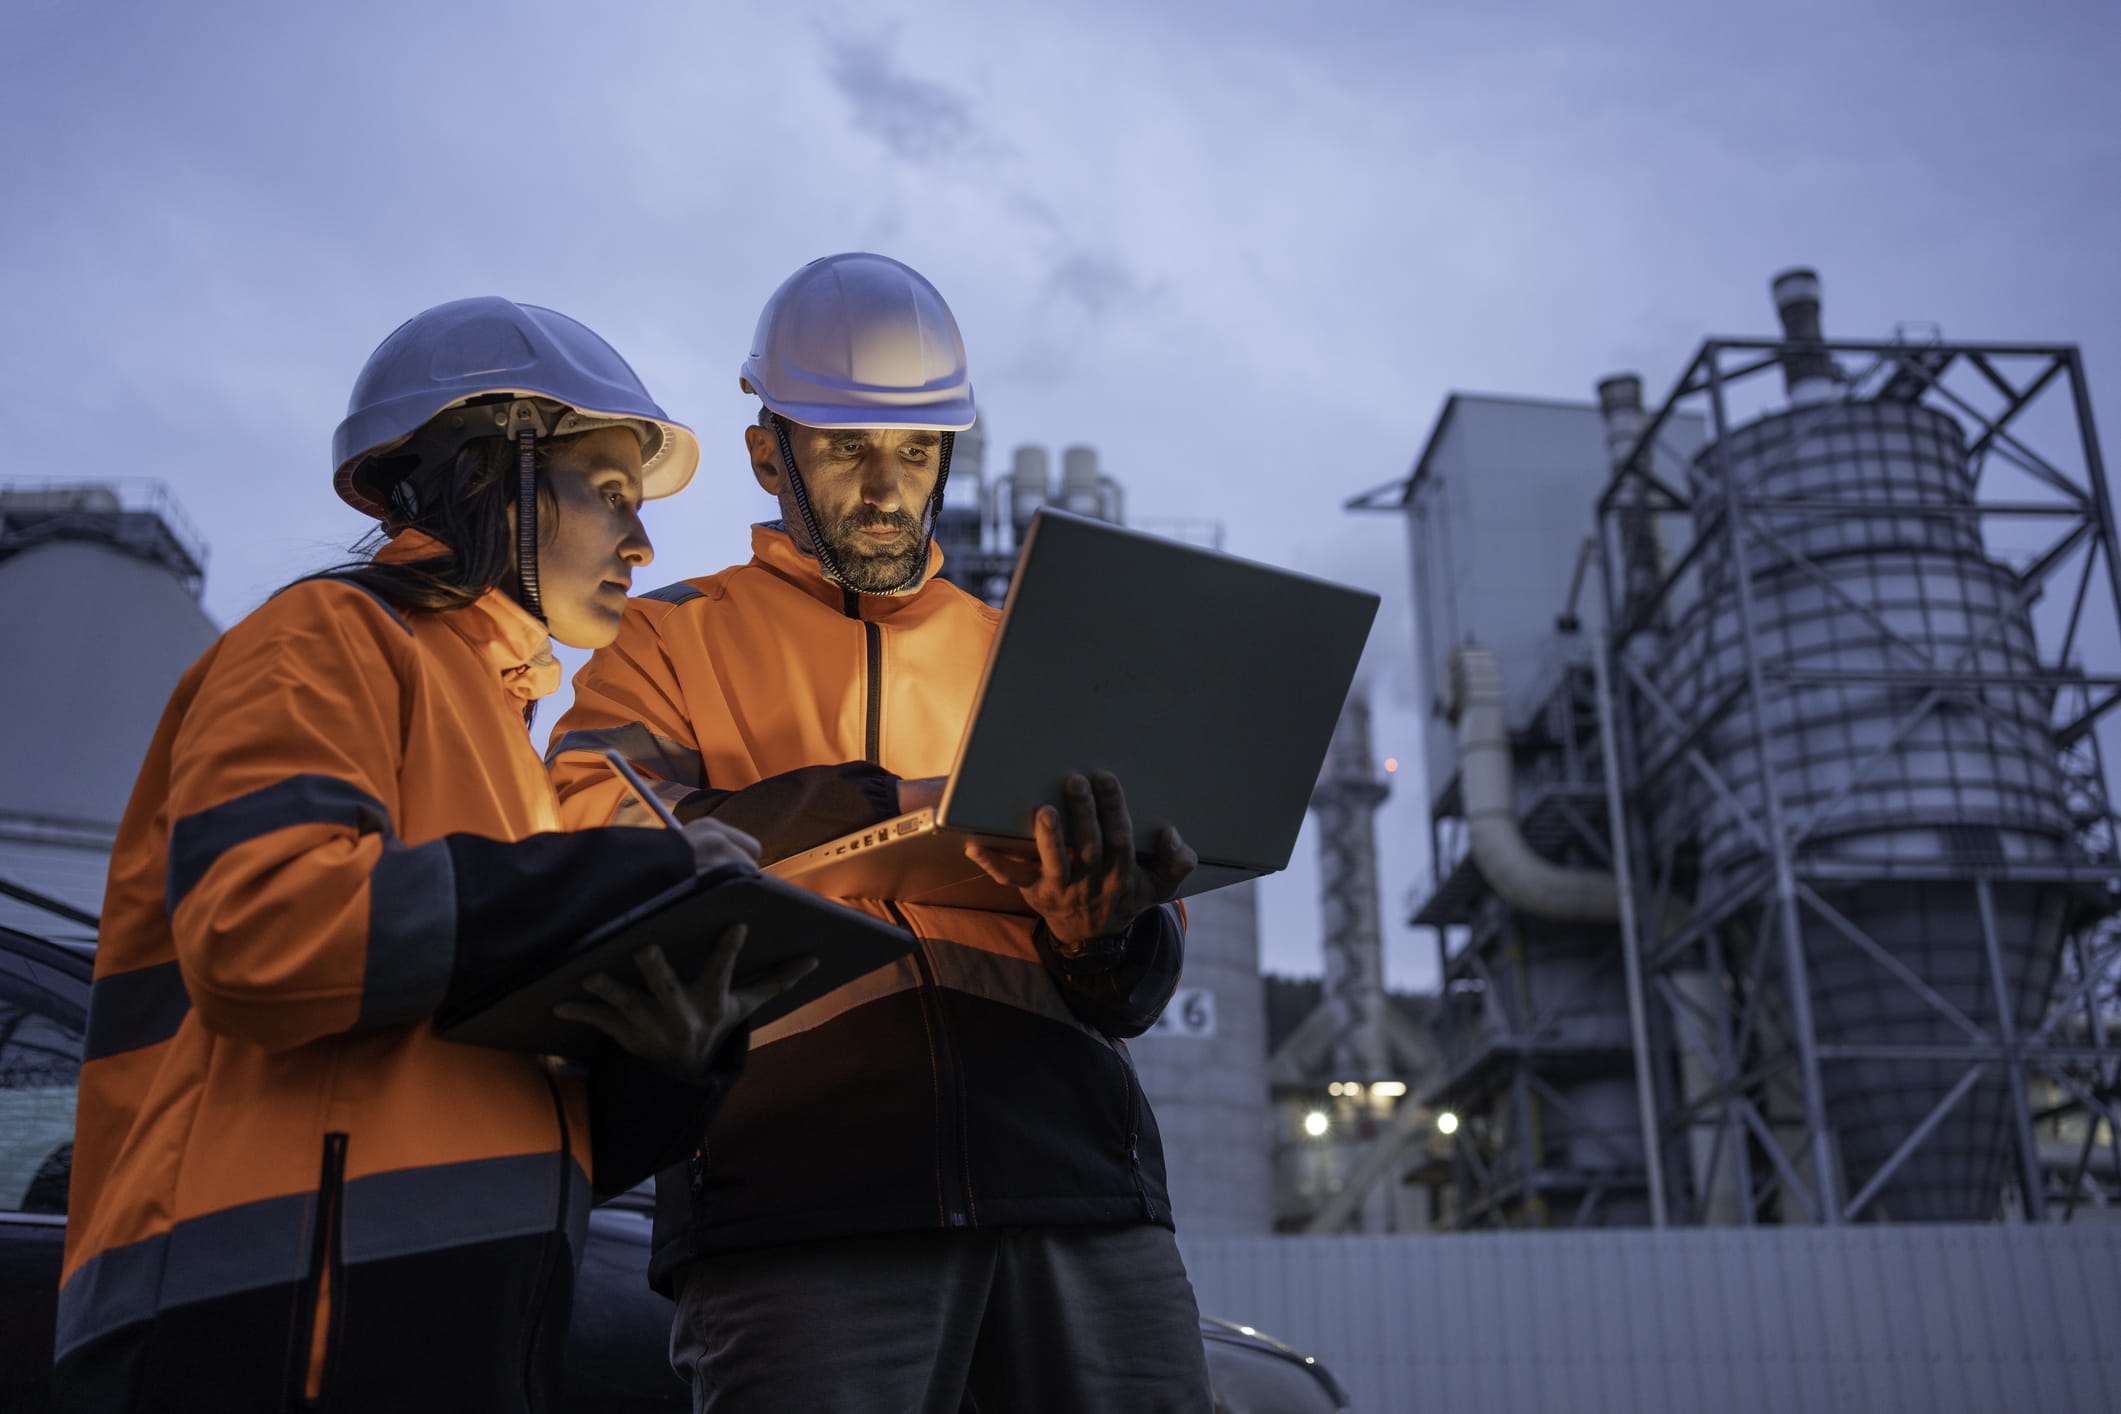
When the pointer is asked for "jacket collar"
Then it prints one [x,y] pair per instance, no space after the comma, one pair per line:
[515,644]
[773,548]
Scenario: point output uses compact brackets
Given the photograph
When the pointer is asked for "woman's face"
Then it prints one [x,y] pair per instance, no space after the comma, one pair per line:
[594,541]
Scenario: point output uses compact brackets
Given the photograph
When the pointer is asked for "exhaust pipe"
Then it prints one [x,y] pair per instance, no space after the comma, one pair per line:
[1642,554]
[1620,404]
[1808,370]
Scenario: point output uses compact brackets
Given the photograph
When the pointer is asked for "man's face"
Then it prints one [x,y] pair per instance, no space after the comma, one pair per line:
[593,541]
[868,487]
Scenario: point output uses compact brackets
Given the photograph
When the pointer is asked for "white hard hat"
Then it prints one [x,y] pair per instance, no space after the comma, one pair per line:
[477,349]
[860,340]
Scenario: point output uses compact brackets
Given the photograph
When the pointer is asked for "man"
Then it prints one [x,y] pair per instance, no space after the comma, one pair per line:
[942,1180]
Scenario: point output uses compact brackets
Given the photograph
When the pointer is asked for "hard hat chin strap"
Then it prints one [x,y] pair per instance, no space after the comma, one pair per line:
[527,591]
[828,562]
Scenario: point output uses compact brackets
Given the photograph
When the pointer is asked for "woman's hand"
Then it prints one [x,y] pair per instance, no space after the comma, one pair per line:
[719,846]
[677,1026]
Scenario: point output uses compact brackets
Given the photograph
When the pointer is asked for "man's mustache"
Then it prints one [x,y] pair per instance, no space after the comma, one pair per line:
[880,520]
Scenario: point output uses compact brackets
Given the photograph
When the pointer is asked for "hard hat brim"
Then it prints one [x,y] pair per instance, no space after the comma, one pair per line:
[953,414]
[669,471]
[470,351]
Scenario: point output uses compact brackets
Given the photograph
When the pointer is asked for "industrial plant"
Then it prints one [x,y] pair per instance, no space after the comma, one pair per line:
[1773,855]
[1774,883]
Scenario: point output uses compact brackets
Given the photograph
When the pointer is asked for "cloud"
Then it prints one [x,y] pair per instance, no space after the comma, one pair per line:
[1101,284]
[918,119]
[931,125]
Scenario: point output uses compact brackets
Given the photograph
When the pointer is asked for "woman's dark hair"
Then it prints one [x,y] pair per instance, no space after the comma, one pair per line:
[463,503]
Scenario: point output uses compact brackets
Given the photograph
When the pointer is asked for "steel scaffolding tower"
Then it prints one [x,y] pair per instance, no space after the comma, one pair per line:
[1858,736]
[1539,1067]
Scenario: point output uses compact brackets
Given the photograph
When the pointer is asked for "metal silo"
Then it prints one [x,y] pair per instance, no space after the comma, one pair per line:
[1204,1069]
[99,617]
[1850,752]
[1028,486]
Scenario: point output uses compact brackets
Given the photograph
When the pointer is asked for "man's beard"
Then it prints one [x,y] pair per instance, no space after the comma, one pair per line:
[861,567]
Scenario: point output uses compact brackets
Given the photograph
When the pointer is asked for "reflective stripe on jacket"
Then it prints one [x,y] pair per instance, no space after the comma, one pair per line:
[975,1082]
[279,1169]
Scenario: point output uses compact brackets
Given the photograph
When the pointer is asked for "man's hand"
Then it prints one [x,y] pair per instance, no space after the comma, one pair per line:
[1084,880]
[675,1026]
[718,846]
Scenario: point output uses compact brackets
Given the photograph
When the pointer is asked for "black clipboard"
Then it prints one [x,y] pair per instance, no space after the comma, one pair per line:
[784,921]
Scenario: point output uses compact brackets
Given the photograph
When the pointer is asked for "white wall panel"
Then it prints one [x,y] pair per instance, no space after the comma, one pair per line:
[1913,1320]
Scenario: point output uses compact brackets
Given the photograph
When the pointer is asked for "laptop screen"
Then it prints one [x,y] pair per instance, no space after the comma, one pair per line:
[1208,684]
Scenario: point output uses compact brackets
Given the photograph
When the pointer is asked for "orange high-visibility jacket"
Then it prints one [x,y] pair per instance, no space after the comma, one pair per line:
[975,1082]
[282,1177]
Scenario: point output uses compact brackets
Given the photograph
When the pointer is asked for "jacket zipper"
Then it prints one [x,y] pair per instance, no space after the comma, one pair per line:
[873,717]
[558,1233]
[696,1175]
[873,738]
[323,1267]
[1134,1124]
[953,1185]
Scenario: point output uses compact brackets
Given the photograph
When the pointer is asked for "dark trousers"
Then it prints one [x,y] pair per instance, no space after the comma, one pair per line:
[1023,1320]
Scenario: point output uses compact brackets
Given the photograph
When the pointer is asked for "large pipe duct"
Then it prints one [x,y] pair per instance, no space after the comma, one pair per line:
[1808,370]
[1523,877]
[1528,881]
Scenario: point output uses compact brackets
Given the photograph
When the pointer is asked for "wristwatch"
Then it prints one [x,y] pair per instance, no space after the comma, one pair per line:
[1100,954]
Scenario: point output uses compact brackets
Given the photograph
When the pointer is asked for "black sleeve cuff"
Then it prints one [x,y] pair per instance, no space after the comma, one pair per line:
[1089,957]
[642,1120]
[523,905]
[1121,991]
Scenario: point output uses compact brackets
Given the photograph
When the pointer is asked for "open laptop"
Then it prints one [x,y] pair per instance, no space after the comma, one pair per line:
[1209,685]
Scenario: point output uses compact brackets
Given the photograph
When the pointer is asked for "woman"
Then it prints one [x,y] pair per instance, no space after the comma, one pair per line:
[287,1188]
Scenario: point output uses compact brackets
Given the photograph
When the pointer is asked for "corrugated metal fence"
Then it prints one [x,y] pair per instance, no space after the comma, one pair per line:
[1884,1320]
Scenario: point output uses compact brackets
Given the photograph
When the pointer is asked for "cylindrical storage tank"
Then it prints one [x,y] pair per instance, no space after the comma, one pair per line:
[968,472]
[968,456]
[960,526]
[1975,780]
[1030,485]
[99,617]
[1204,1069]
[1078,484]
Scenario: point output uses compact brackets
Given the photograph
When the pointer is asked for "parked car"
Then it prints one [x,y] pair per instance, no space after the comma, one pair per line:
[617,1348]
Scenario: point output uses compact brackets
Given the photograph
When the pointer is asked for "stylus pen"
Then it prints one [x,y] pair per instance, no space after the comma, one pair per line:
[640,788]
